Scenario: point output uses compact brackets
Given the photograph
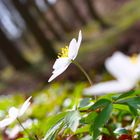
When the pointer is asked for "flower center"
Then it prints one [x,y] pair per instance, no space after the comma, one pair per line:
[134,58]
[64,52]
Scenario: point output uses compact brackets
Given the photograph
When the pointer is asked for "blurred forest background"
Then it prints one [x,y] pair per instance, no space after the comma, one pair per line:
[33,31]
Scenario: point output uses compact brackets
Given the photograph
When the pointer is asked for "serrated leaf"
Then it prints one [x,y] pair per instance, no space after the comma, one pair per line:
[100,103]
[51,121]
[101,119]
[72,119]
[126,95]
[52,132]
[91,117]
[121,107]
[53,124]
[84,103]
[134,102]
[82,129]
[120,131]
[133,110]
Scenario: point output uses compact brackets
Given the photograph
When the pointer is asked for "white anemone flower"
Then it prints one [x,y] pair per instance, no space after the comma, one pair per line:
[65,58]
[15,113]
[125,69]
[13,132]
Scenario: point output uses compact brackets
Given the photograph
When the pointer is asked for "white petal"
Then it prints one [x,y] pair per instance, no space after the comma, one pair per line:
[73,49]
[57,73]
[74,46]
[6,122]
[139,63]
[60,66]
[13,112]
[109,87]
[24,107]
[28,123]
[79,39]
[120,67]
[60,62]
[12,133]
[139,57]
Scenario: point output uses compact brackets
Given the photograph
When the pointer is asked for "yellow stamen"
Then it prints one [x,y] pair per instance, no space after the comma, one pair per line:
[134,58]
[64,52]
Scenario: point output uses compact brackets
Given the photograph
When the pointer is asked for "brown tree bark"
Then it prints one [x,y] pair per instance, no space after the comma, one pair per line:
[3,62]
[14,19]
[31,23]
[94,14]
[76,12]
[59,19]
[12,54]
[54,31]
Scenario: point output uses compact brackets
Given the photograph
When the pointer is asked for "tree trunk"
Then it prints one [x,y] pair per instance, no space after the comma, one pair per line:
[3,61]
[54,31]
[31,23]
[59,19]
[12,54]
[94,14]
[76,12]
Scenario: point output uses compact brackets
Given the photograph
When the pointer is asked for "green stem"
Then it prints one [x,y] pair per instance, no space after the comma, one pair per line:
[23,127]
[26,130]
[84,72]
[134,127]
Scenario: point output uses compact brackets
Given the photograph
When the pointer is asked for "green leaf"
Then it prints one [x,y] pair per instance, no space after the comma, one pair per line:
[133,110]
[101,119]
[126,95]
[82,129]
[104,131]
[121,107]
[100,103]
[53,131]
[120,131]
[77,93]
[68,119]
[136,92]
[133,103]
[53,120]
[91,117]
[24,139]
[72,119]
[53,125]
[84,103]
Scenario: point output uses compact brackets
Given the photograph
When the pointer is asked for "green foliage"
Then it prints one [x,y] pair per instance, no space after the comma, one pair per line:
[53,120]
[61,111]
[71,120]
[100,103]
[121,131]
[133,103]
[24,139]
[100,120]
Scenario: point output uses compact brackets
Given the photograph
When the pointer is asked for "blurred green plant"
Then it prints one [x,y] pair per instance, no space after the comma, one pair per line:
[62,112]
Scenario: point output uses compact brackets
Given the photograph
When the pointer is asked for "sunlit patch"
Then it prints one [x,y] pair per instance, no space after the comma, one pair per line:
[64,52]
[134,58]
